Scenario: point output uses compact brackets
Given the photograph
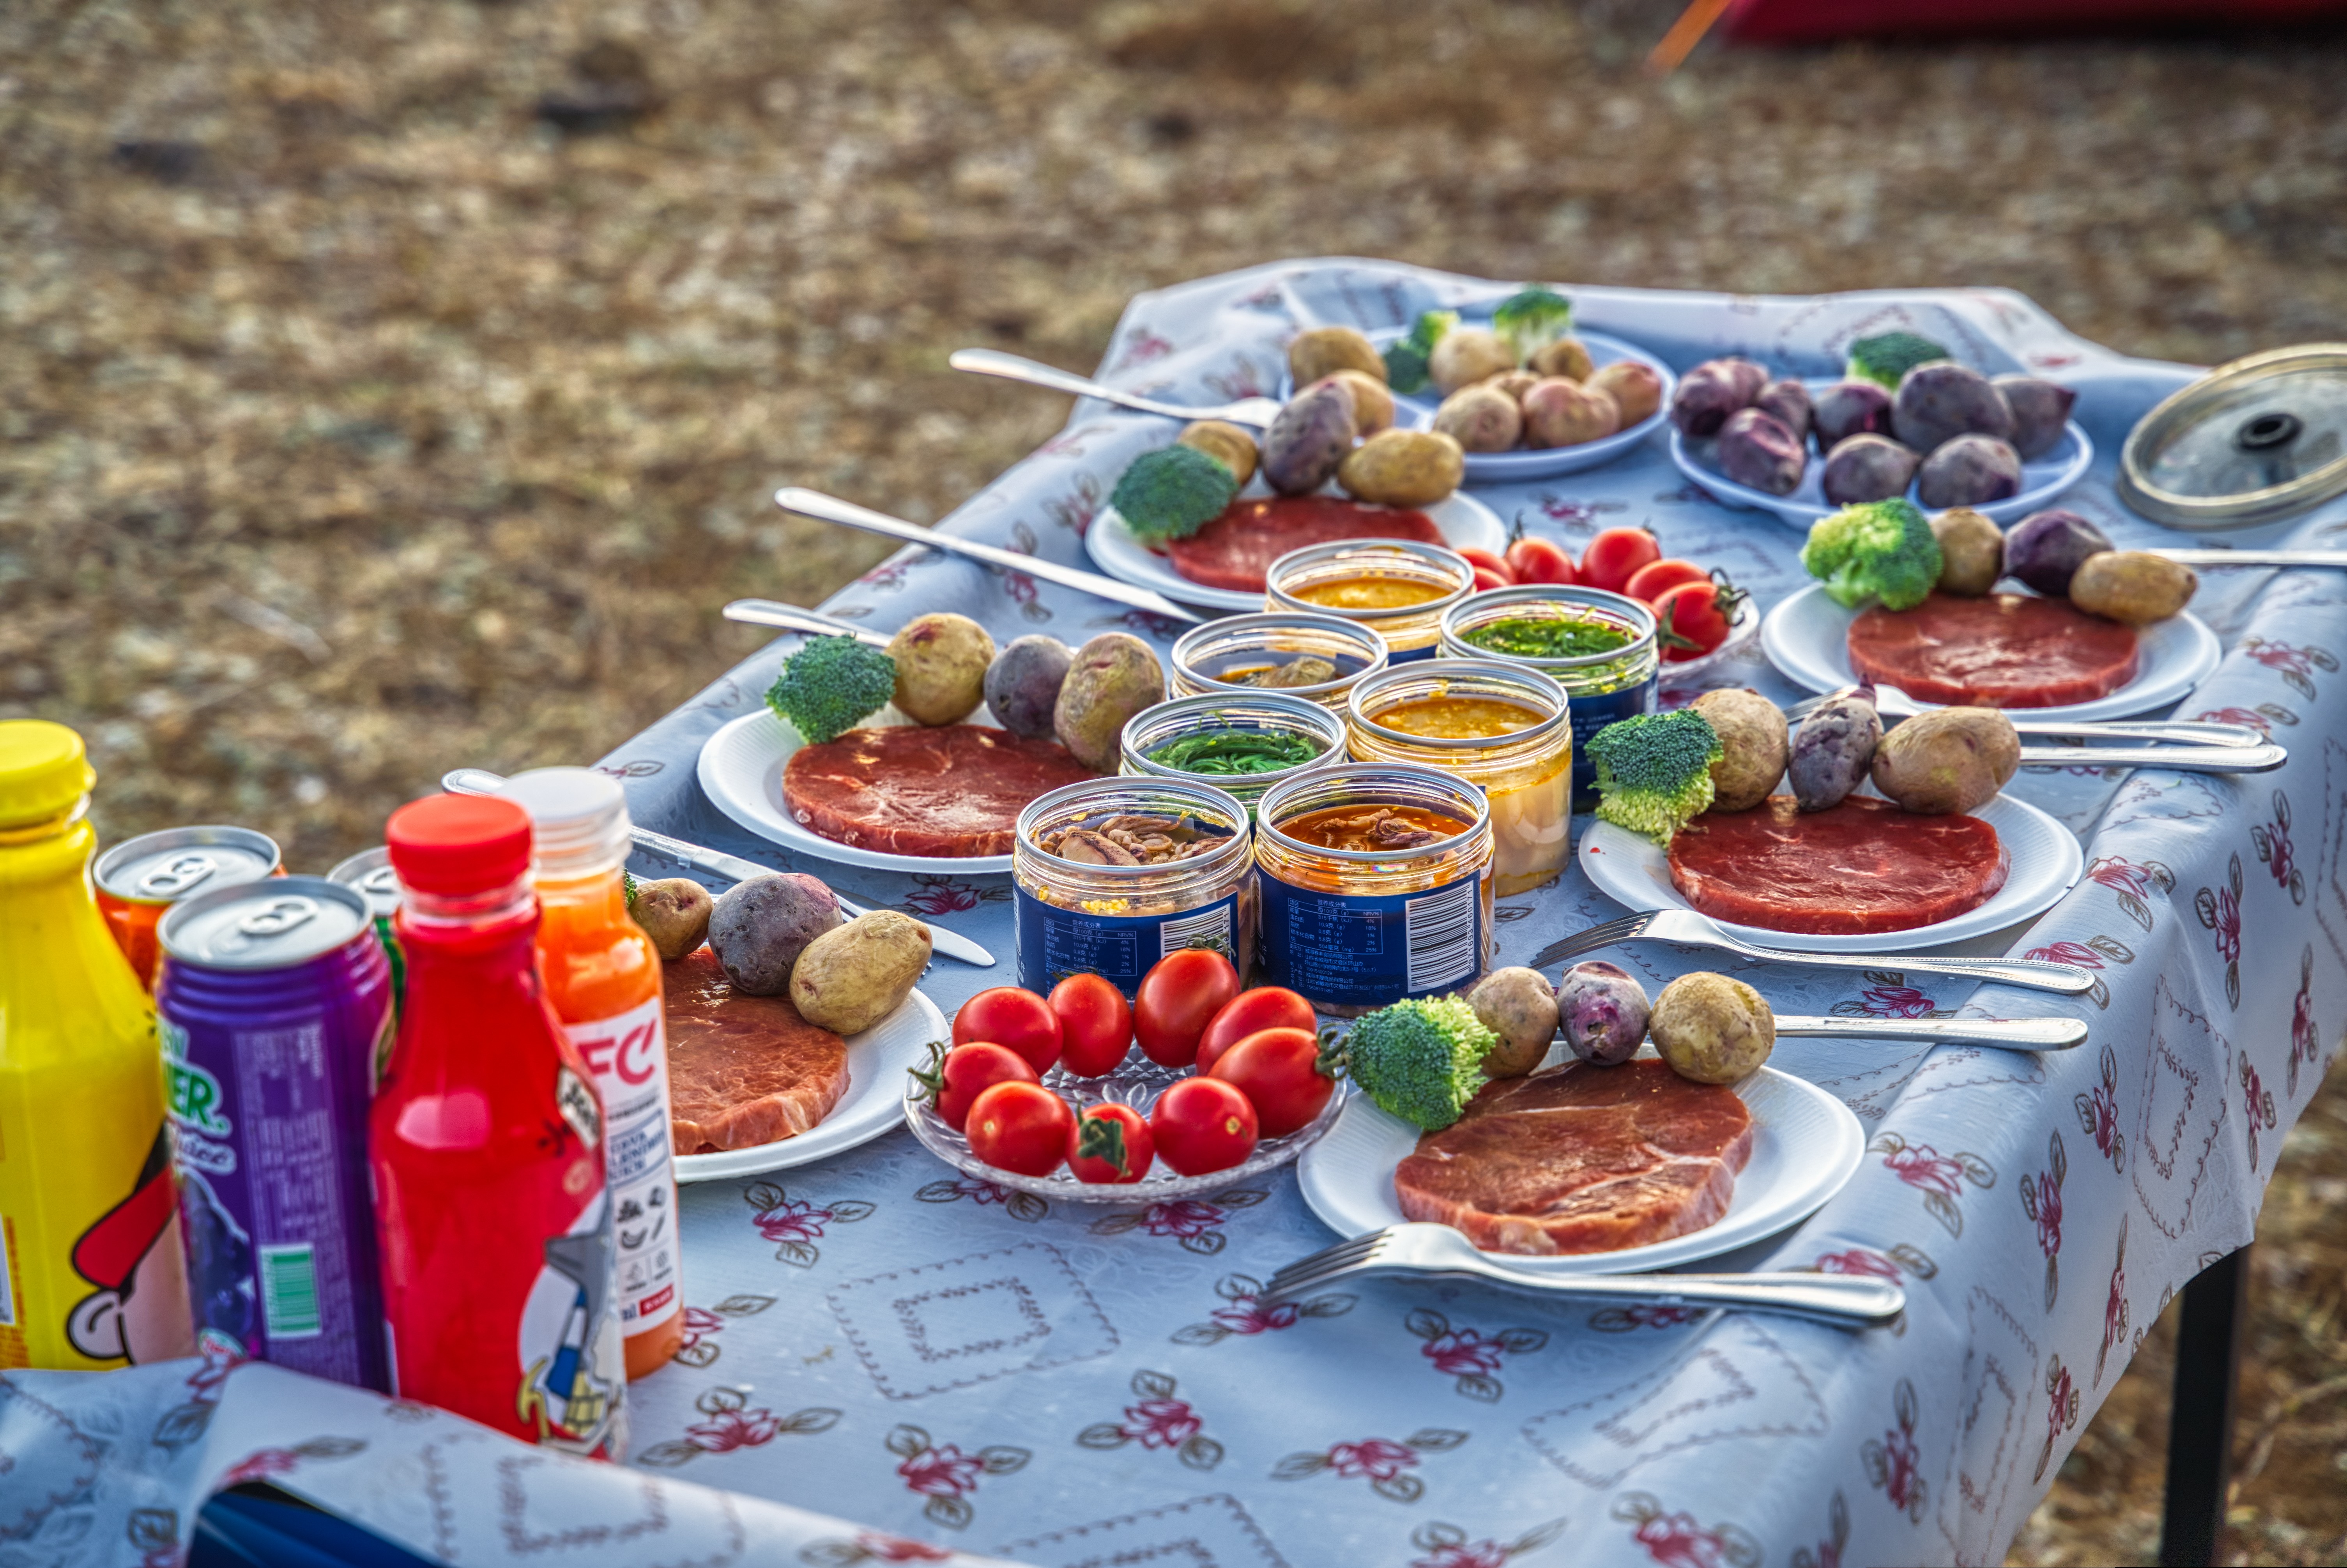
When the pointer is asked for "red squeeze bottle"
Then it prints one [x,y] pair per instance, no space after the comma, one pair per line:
[485,1139]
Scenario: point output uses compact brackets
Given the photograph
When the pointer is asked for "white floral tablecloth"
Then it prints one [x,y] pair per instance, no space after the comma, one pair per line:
[880,1339]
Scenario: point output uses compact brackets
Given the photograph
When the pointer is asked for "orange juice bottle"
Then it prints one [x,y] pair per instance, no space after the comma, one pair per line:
[603,976]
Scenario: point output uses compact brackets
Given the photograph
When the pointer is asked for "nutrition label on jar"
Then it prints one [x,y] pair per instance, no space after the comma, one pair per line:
[1055,943]
[629,1056]
[1347,950]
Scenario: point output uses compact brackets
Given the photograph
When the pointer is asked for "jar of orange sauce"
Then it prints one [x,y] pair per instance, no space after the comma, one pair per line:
[1398,589]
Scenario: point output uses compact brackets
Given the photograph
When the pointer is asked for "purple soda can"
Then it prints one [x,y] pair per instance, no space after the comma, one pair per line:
[273,1002]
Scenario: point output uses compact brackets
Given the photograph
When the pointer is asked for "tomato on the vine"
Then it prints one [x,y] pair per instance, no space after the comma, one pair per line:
[1264,1007]
[1110,1142]
[1694,618]
[1541,560]
[1202,1125]
[1614,558]
[1278,1070]
[1503,574]
[958,1077]
[1017,1019]
[1486,580]
[1095,1024]
[1651,583]
[1178,997]
[1021,1127]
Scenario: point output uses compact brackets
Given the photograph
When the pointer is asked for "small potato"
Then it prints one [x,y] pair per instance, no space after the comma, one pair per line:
[850,978]
[1971,551]
[1603,1010]
[1373,408]
[1112,677]
[1481,418]
[1517,1005]
[1403,468]
[941,660]
[1561,413]
[1834,752]
[1947,759]
[1466,355]
[1022,684]
[1712,1028]
[1753,746]
[674,913]
[1230,444]
[1324,351]
[1633,387]
[1308,438]
[759,928]
[1515,383]
[2132,586]
[1567,357]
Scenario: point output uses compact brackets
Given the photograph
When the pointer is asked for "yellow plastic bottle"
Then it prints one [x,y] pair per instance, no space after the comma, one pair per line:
[91,1275]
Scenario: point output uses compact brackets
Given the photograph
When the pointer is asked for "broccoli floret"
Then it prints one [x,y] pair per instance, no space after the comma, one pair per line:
[1654,772]
[1532,319]
[1885,358]
[1883,549]
[1422,1060]
[628,887]
[1406,359]
[1172,492]
[829,684]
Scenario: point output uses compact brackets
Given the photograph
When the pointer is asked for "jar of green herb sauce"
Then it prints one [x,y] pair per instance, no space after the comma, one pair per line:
[1242,744]
[1604,655]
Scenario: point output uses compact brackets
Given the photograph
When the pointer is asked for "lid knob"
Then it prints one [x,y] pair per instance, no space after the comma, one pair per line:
[2268,431]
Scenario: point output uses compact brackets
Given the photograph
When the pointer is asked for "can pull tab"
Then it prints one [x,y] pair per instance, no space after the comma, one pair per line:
[177,875]
[278,916]
[380,882]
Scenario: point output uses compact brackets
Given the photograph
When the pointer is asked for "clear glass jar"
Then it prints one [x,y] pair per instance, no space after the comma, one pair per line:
[1601,687]
[1355,930]
[1409,630]
[1271,712]
[1526,774]
[1221,654]
[1080,917]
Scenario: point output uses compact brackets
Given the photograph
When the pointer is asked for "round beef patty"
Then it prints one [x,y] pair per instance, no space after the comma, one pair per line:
[743,1070]
[949,791]
[2003,650]
[1861,867]
[1237,548]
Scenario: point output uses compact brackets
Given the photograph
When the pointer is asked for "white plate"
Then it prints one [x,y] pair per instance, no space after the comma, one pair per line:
[2042,480]
[2042,856]
[1545,462]
[1805,1144]
[876,1063]
[1807,637]
[740,770]
[1464,522]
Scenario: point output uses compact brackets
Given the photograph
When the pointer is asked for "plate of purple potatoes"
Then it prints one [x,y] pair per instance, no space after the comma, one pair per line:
[1947,436]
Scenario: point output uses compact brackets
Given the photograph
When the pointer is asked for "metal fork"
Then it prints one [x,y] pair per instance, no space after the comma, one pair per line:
[1685,926]
[1845,1301]
[1894,704]
[1259,412]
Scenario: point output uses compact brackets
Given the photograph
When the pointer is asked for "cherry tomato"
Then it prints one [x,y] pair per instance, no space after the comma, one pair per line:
[1178,997]
[1203,1124]
[1095,1024]
[1110,1144]
[1020,1021]
[1278,1070]
[1614,558]
[1504,575]
[1021,1127]
[1541,560]
[1650,582]
[1486,580]
[1266,1006]
[1694,617]
[958,1077]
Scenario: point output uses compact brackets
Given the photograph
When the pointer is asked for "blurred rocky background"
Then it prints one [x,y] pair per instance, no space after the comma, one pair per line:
[389,385]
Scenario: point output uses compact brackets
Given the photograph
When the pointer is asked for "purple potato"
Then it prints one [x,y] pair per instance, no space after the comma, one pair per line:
[1757,450]
[1309,439]
[2044,549]
[1834,748]
[759,928]
[1788,402]
[1848,408]
[1867,468]
[1942,400]
[1602,1010]
[1969,471]
[2040,411]
[1022,684]
[1712,391]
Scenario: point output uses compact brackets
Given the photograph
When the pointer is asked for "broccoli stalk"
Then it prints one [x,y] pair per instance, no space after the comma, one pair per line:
[1172,492]
[1654,772]
[1880,549]
[1406,358]
[1884,358]
[1531,319]
[1420,1060]
[831,683]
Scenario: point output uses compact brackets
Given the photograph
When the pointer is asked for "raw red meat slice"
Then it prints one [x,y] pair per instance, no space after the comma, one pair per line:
[743,1070]
[1235,549]
[2003,650]
[948,792]
[1862,865]
[1580,1159]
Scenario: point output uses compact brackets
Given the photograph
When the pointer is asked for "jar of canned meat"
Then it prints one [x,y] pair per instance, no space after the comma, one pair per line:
[1599,646]
[1241,744]
[1497,725]
[1111,875]
[1316,656]
[1397,588]
[1376,882]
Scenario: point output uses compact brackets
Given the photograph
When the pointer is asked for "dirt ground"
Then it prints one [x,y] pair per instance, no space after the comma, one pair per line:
[387,385]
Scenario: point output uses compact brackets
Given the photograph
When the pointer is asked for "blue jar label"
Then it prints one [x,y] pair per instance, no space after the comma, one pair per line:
[1346,949]
[1589,714]
[1054,942]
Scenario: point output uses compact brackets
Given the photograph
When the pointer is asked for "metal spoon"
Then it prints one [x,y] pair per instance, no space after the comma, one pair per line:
[1259,412]
[791,618]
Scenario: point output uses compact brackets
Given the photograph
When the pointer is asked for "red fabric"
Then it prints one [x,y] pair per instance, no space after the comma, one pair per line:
[1813,21]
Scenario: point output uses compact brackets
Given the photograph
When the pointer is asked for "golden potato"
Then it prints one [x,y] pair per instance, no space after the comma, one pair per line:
[1567,357]
[1481,418]
[673,912]
[1232,446]
[1324,351]
[1112,678]
[1519,1007]
[2133,588]
[851,978]
[1373,408]
[1465,355]
[1947,759]
[1971,551]
[941,660]
[1753,743]
[1712,1028]
[1633,387]
[1561,413]
[1515,383]
[1403,468]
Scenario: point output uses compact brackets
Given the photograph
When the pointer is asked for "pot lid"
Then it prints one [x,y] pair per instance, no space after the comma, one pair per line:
[2255,441]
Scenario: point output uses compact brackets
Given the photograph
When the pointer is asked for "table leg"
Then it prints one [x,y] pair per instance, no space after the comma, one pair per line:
[2200,1419]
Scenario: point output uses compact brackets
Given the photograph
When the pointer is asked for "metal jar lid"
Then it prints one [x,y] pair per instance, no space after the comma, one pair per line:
[2255,441]
[271,925]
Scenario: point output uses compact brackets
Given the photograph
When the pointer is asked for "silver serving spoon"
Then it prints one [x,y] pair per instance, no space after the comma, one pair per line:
[791,618]
[1259,412]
